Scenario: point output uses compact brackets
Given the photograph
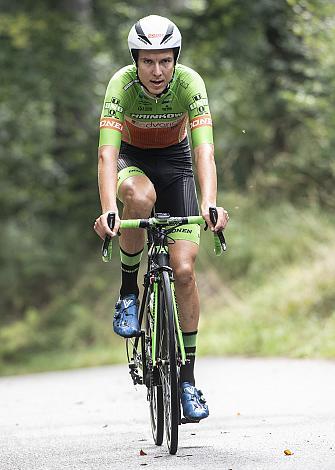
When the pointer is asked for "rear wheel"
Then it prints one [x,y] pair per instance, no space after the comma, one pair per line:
[169,371]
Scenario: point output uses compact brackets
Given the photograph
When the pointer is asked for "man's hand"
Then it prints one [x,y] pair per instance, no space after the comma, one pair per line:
[222,221]
[101,226]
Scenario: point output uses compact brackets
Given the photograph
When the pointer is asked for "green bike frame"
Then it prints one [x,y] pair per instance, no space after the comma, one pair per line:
[155,323]
[161,264]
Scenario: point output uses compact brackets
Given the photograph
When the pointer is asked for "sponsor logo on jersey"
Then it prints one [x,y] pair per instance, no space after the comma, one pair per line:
[111,123]
[183,83]
[200,121]
[144,108]
[143,102]
[157,116]
[155,125]
[155,35]
[113,105]
[200,103]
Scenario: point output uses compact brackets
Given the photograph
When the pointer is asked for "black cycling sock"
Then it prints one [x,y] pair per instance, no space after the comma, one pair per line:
[130,263]
[187,371]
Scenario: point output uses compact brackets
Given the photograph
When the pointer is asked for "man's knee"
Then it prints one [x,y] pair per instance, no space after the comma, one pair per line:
[184,274]
[138,198]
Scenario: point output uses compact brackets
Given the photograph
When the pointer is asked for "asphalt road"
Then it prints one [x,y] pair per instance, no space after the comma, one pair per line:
[95,419]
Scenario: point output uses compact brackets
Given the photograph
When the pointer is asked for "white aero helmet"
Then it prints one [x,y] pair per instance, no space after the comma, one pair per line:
[154,33]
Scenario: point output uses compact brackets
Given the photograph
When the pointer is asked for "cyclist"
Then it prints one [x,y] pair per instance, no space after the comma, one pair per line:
[144,160]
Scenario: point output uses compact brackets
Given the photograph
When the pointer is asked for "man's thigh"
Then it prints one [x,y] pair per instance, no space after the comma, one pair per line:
[183,253]
[136,189]
[170,174]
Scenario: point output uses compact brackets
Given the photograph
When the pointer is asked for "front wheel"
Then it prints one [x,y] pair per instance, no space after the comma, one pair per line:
[157,412]
[153,380]
[169,370]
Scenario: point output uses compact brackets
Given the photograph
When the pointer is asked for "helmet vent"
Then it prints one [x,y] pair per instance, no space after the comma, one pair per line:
[168,34]
[140,33]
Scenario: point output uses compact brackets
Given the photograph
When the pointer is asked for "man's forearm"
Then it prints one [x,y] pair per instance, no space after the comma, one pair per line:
[107,177]
[206,170]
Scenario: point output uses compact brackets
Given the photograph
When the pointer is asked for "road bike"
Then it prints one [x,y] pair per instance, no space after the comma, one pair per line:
[156,355]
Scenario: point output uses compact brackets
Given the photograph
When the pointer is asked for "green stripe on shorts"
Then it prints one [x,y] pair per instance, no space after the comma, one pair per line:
[189,232]
[127,173]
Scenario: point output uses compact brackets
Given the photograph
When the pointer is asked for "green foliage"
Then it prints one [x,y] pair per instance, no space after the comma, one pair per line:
[276,295]
[290,232]
[271,66]
[268,294]
[268,66]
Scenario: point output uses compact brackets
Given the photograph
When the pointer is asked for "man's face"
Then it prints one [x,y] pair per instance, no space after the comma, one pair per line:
[155,69]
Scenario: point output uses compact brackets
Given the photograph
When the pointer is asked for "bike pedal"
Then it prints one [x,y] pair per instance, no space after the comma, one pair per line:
[189,421]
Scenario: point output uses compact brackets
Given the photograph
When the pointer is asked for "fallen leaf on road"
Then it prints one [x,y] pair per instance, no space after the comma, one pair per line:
[288,452]
[142,452]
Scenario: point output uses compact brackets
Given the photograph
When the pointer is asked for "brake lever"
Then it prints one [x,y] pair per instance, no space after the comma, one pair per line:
[106,250]
[213,214]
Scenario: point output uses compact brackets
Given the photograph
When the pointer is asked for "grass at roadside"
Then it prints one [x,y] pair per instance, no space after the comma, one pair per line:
[275,294]
[291,314]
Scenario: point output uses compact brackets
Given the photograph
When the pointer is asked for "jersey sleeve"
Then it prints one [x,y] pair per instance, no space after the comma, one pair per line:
[198,111]
[112,115]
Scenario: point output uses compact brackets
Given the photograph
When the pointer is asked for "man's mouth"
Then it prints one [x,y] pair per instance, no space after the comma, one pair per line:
[157,82]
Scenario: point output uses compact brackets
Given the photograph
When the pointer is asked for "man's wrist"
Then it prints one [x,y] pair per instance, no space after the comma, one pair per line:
[110,209]
[207,204]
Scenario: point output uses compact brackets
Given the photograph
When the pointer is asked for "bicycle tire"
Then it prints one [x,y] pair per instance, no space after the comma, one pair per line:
[157,414]
[169,367]
[155,392]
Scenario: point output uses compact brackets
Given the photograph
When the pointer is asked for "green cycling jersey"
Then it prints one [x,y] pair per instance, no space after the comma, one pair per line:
[132,115]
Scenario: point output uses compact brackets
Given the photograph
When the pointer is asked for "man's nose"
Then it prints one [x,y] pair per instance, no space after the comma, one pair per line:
[157,69]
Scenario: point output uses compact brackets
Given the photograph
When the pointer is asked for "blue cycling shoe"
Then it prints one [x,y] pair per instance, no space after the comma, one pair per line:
[193,403]
[125,322]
